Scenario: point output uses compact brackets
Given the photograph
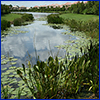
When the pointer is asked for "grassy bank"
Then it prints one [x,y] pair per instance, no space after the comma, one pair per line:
[10,17]
[86,23]
[79,17]
[15,19]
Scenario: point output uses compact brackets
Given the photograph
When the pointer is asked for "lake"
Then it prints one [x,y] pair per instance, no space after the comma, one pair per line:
[38,36]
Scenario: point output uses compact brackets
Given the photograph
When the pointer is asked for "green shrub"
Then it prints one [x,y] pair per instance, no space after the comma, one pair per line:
[91,26]
[4,24]
[28,17]
[54,80]
[18,22]
[25,17]
[54,18]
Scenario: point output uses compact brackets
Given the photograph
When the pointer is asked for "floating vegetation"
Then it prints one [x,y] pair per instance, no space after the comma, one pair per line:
[2,57]
[73,46]
[11,31]
[27,23]
[11,79]
[41,19]
[5,60]
[56,27]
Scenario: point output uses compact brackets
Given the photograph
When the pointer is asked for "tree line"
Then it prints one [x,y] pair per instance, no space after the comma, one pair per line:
[91,7]
[43,9]
[5,9]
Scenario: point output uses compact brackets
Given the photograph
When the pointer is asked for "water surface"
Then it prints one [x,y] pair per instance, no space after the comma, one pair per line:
[41,37]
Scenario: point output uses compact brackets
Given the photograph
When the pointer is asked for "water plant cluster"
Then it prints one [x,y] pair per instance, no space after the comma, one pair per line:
[90,27]
[5,9]
[24,18]
[91,7]
[5,24]
[41,19]
[11,31]
[53,79]
[55,19]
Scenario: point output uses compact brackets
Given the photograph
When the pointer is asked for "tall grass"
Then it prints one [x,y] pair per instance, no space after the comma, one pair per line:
[60,80]
[91,27]
[51,79]
[54,18]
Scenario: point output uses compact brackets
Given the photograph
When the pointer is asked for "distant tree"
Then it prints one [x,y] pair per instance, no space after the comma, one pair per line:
[95,8]
[5,9]
[81,7]
[10,5]
[92,7]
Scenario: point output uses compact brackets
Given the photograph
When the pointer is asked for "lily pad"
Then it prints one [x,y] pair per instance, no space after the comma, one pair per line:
[14,59]
[13,63]
[4,62]
[2,57]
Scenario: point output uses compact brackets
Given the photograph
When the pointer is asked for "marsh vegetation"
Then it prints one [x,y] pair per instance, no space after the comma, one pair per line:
[57,57]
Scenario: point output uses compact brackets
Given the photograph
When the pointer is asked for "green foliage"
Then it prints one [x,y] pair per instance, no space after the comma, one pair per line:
[4,91]
[27,17]
[17,22]
[92,7]
[54,80]
[5,9]
[4,24]
[90,27]
[45,77]
[93,68]
[54,18]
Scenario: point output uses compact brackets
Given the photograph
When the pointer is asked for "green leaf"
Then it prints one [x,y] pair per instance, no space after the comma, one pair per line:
[24,68]
[13,63]
[19,72]
[14,59]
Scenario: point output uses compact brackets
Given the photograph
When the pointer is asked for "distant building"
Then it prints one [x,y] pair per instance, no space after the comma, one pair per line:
[15,7]
[27,8]
[67,5]
[22,7]
[36,7]
[85,2]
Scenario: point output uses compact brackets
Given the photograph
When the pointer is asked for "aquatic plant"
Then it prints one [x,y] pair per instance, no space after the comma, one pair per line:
[52,79]
[27,17]
[18,21]
[54,18]
[4,24]
[12,30]
[90,27]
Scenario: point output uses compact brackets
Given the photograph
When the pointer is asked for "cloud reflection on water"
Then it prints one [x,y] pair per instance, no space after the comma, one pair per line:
[18,45]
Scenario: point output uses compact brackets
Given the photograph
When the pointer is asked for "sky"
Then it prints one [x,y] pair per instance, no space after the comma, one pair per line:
[33,3]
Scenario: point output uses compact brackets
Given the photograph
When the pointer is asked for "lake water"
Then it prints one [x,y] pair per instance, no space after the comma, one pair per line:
[38,36]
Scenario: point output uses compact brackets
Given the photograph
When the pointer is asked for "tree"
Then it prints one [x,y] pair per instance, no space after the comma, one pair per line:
[5,9]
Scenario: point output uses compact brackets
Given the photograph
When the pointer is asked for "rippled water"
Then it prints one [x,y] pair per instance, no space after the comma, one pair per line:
[43,36]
